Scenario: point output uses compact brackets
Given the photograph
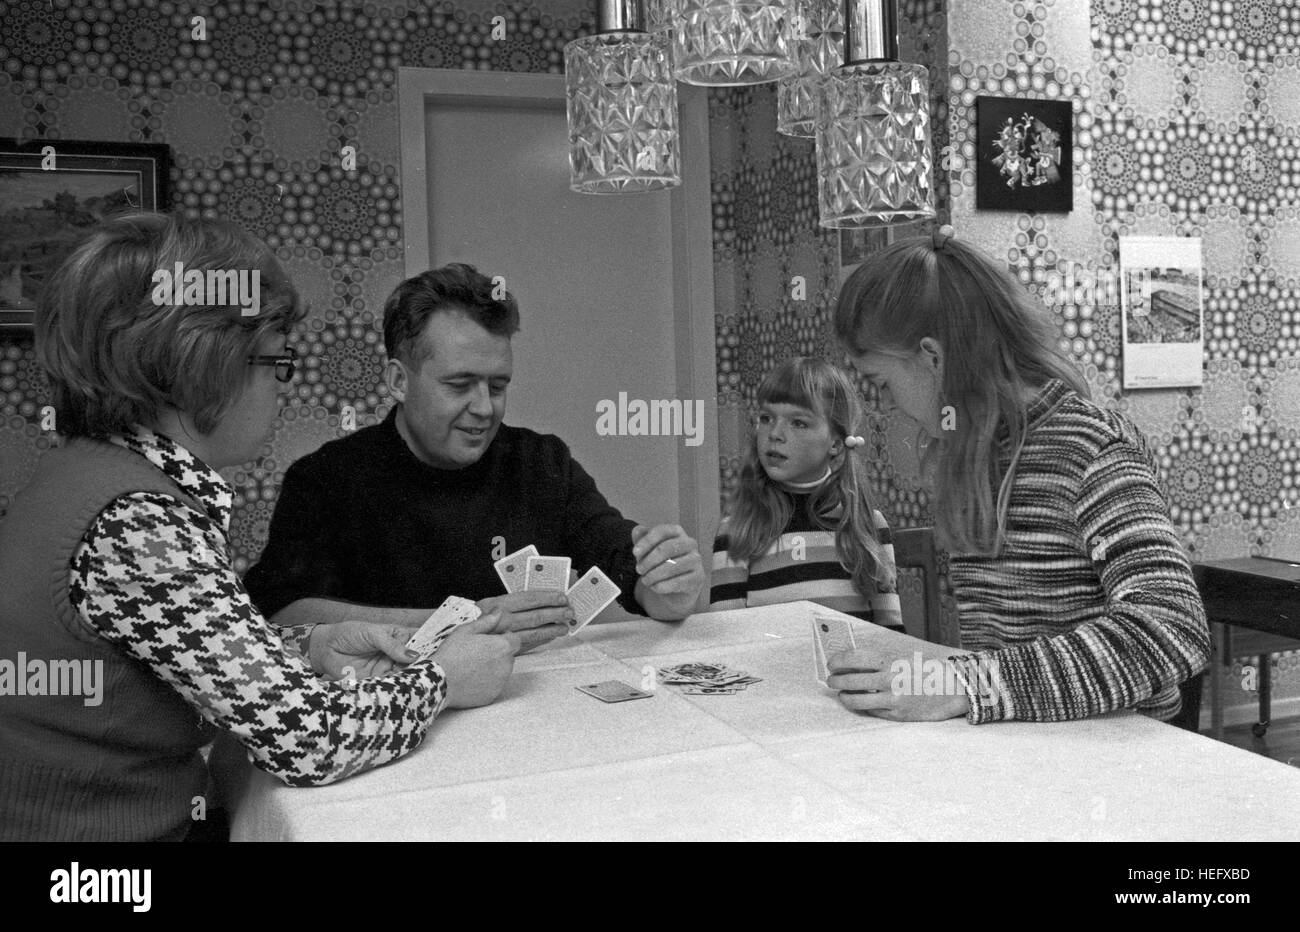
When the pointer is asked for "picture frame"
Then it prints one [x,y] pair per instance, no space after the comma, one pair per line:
[1024,155]
[1162,311]
[51,190]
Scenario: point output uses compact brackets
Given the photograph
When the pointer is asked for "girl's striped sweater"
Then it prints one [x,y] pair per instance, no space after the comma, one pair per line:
[1091,607]
[802,563]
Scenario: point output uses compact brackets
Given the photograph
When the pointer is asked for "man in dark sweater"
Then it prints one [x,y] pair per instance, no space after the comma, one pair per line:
[385,524]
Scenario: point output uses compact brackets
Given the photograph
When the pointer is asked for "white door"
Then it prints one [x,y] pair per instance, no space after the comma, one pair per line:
[615,293]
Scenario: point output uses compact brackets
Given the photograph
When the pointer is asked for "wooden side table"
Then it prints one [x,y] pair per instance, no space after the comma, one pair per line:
[1261,595]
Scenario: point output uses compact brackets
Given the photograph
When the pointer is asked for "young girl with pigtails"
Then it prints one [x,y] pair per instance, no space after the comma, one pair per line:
[800,524]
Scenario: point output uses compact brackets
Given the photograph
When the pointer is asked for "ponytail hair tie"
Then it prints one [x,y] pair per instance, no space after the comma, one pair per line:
[941,236]
[852,441]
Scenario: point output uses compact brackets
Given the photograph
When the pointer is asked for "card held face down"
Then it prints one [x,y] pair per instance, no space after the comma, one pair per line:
[613,691]
[589,596]
[547,573]
[513,568]
[527,570]
[830,636]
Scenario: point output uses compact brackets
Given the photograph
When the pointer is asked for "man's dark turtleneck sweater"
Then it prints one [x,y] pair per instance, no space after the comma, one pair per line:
[363,520]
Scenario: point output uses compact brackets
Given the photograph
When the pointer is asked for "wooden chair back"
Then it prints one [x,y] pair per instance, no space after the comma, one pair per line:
[914,549]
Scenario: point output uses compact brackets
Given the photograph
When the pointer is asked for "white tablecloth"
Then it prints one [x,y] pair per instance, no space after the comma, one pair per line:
[780,760]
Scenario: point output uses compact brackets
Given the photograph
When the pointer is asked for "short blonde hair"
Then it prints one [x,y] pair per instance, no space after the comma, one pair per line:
[115,357]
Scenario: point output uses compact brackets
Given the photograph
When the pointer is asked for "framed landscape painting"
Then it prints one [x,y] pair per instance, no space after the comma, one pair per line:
[51,190]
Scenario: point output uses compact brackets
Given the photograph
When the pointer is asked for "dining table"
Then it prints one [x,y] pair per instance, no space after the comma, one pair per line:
[781,759]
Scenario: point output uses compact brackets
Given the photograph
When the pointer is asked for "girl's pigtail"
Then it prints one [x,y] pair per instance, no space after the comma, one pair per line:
[861,552]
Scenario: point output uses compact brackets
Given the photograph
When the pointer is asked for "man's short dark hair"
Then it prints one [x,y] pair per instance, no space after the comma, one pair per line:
[454,287]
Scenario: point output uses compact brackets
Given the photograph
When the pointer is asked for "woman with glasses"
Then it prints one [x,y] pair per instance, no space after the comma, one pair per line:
[285,364]
[120,602]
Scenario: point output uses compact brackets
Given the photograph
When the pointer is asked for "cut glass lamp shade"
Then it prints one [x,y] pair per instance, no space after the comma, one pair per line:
[729,42]
[658,15]
[659,21]
[796,97]
[622,109]
[873,145]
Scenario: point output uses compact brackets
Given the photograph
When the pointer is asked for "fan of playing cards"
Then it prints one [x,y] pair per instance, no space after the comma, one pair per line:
[452,613]
[707,679]
[526,570]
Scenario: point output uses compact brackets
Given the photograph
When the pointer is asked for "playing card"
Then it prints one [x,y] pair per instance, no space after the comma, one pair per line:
[830,636]
[729,679]
[710,691]
[589,596]
[454,611]
[613,691]
[514,568]
[819,658]
[547,573]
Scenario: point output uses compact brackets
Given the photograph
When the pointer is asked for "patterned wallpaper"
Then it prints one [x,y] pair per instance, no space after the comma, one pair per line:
[1186,122]
[766,234]
[1187,115]
[1169,98]
[256,116]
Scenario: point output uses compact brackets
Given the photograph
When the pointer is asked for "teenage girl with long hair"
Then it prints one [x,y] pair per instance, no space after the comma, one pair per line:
[800,524]
[1074,592]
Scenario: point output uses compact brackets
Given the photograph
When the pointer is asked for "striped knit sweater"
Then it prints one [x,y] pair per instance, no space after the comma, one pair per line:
[803,563]
[1091,607]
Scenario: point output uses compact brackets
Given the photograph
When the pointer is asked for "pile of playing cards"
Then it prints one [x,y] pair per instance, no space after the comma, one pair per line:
[526,570]
[707,679]
[831,635]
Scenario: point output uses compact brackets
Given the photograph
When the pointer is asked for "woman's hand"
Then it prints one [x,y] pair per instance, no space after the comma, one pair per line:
[358,650]
[900,687]
[479,657]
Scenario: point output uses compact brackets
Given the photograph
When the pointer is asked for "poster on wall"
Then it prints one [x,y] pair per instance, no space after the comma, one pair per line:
[1024,155]
[1163,316]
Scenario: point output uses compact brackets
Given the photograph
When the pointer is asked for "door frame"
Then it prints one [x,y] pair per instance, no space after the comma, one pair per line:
[691,221]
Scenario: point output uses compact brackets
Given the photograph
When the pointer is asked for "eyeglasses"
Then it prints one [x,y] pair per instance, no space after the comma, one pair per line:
[285,365]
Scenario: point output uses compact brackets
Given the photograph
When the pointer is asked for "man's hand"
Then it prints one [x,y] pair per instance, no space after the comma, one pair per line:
[357,649]
[670,570]
[885,684]
[530,611]
[479,657]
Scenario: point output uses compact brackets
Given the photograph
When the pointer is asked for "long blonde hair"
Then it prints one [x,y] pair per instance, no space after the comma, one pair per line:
[997,341]
[760,509]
